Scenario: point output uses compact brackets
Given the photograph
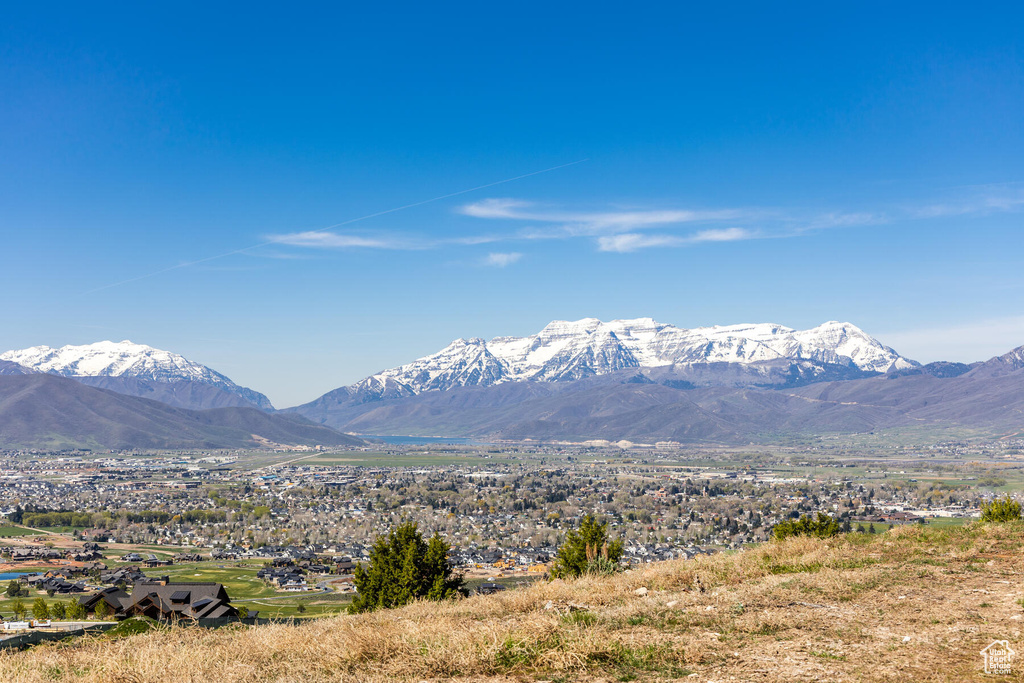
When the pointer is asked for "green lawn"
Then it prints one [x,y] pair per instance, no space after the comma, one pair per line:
[12,531]
[315,606]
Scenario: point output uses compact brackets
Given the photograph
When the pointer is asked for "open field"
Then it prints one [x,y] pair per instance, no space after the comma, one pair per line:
[15,531]
[914,604]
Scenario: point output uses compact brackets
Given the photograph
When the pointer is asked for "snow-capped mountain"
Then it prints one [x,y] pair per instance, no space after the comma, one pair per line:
[135,365]
[565,351]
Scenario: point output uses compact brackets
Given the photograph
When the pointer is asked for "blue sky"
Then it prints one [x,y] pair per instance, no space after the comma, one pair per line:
[792,164]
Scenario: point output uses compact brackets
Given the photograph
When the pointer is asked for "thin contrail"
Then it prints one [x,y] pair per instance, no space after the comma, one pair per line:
[331,227]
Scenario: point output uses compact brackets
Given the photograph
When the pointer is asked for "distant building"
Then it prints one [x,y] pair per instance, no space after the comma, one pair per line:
[165,601]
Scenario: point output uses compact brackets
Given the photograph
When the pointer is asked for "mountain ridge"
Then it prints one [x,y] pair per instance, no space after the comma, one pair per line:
[566,351]
[617,406]
[40,410]
[136,370]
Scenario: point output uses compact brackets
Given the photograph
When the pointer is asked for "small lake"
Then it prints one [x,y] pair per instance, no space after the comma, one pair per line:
[422,440]
[10,576]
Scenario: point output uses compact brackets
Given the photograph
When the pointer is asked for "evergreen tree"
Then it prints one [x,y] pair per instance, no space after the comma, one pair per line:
[587,550]
[102,609]
[58,610]
[75,611]
[404,567]
[822,527]
[19,609]
[40,610]
[1005,510]
[13,588]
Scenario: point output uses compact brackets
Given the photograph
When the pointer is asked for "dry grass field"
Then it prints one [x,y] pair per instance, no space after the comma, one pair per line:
[913,604]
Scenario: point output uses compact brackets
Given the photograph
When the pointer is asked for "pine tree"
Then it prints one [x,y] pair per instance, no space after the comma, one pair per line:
[40,610]
[404,567]
[587,550]
[75,611]
[822,527]
[1005,510]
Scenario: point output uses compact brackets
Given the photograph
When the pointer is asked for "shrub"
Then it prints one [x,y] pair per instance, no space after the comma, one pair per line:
[75,611]
[822,527]
[40,610]
[1005,510]
[404,567]
[587,551]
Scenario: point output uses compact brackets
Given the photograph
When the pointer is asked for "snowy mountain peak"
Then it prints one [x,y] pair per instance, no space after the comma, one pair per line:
[126,359]
[570,350]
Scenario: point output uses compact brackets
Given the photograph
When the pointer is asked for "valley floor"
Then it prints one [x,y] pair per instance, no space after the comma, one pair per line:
[913,604]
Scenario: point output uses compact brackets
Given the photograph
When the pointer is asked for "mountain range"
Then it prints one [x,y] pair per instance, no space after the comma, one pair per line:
[568,351]
[39,410]
[137,370]
[635,379]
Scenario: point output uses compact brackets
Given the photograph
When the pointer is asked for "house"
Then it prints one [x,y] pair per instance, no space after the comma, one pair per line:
[114,597]
[174,601]
[152,561]
[165,601]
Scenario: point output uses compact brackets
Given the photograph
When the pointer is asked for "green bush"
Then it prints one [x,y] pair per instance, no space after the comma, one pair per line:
[587,551]
[404,567]
[132,627]
[822,527]
[75,611]
[40,610]
[1005,510]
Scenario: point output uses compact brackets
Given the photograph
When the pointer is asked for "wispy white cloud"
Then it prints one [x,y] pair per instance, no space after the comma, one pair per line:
[332,240]
[623,230]
[984,199]
[634,241]
[589,223]
[501,260]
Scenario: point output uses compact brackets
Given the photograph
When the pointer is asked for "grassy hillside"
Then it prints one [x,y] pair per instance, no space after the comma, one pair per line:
[914,604]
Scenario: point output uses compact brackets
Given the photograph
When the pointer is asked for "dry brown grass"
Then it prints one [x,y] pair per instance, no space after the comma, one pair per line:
[910,605]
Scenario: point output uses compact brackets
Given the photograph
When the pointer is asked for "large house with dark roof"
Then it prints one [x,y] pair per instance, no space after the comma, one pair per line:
[166,601]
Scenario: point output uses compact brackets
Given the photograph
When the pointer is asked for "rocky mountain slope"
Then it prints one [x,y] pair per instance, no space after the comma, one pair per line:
[569,351]
[647,407]
[140,370]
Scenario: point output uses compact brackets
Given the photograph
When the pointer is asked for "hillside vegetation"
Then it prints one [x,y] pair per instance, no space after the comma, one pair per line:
[913,604]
